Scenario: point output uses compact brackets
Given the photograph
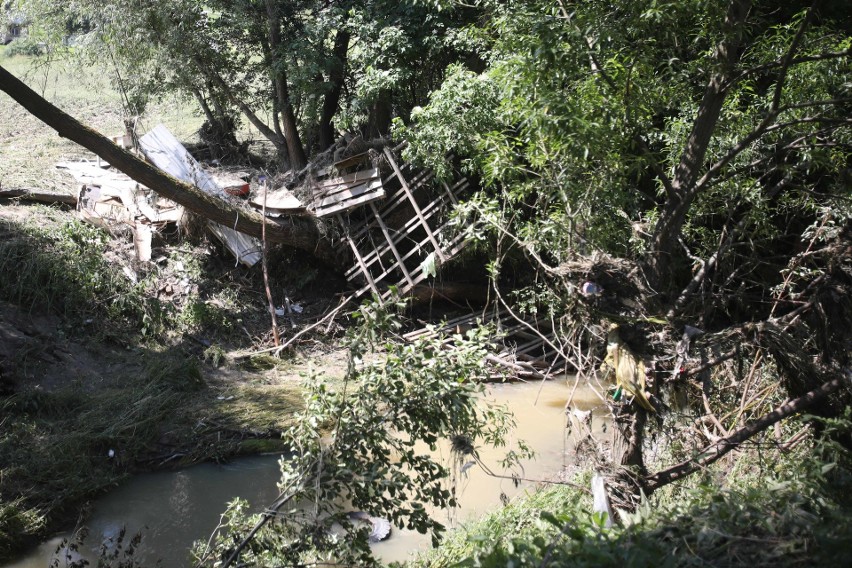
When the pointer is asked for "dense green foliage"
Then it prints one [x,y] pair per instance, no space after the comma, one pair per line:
[586,112]
[707,145]
[284,66]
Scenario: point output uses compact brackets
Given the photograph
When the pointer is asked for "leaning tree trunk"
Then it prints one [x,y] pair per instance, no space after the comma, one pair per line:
[293,231]
[628,437]
[336,75]
[295,149]
[682,191]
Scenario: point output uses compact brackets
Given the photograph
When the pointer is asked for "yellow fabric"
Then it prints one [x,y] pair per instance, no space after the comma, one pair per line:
[629,369]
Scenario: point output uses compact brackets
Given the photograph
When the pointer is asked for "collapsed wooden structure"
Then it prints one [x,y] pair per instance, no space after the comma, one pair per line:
[398,242]
[391,216]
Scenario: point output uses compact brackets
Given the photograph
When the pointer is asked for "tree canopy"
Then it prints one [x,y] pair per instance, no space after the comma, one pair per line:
[298,71]
[704,148]
[652,129]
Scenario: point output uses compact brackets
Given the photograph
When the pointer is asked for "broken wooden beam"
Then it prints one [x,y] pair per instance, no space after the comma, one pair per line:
[38,195]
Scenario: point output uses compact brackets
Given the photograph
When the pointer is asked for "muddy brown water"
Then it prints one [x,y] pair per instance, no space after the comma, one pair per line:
[173,509]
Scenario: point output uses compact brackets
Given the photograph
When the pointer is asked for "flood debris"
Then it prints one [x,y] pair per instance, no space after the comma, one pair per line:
[345,185]
[280,202]
[390,240]
[391,216]
[112,200]
[163,150]
[522,349]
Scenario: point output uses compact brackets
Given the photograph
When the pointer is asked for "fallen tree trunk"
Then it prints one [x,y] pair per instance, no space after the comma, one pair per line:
[300,233]
[38,195]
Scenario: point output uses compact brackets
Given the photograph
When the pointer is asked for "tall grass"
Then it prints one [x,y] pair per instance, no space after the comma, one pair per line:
[54,264]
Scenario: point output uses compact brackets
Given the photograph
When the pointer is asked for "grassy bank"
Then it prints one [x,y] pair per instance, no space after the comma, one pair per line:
[102,375]
[29,149]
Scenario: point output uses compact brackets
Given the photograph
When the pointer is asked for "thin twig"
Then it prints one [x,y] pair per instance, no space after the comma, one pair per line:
[328,317]
[264,265]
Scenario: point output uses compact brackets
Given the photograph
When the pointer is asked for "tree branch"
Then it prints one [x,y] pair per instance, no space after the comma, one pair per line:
[754,135]
[766,124]
[794,61]
[715,451]
[692,157]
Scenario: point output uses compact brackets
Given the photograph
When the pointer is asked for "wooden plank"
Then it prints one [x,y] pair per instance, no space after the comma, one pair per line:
[90,174]
[404,258]
[366,198]
[38,195]
[171,215]
[523,348]
[450,193]
[347,193]
[398,199]
[411,277]
[360,261]
[374,255]
[92,196]
[389,240]
[142,234]
[404,231]
[280,199]
[349,179]
[362,158]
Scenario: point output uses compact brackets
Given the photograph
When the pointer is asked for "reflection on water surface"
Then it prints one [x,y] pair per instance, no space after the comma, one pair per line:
[172,509]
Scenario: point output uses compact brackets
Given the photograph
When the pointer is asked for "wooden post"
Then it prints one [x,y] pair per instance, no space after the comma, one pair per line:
[360,261]
[389,239]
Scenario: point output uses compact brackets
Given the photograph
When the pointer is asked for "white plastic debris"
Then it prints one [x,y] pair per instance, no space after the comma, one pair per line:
[466,467]
[591,289]
[111,453]
[601,500]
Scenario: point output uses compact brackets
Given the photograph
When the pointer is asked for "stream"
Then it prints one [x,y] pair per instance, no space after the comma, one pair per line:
[174,508]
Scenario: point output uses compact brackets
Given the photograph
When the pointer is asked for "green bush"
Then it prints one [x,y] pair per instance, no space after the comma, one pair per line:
[25,46]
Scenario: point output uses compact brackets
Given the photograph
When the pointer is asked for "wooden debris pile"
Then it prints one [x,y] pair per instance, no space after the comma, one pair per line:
[164,151]
[345,185]
[525,348]
[111,199]
[401,240]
